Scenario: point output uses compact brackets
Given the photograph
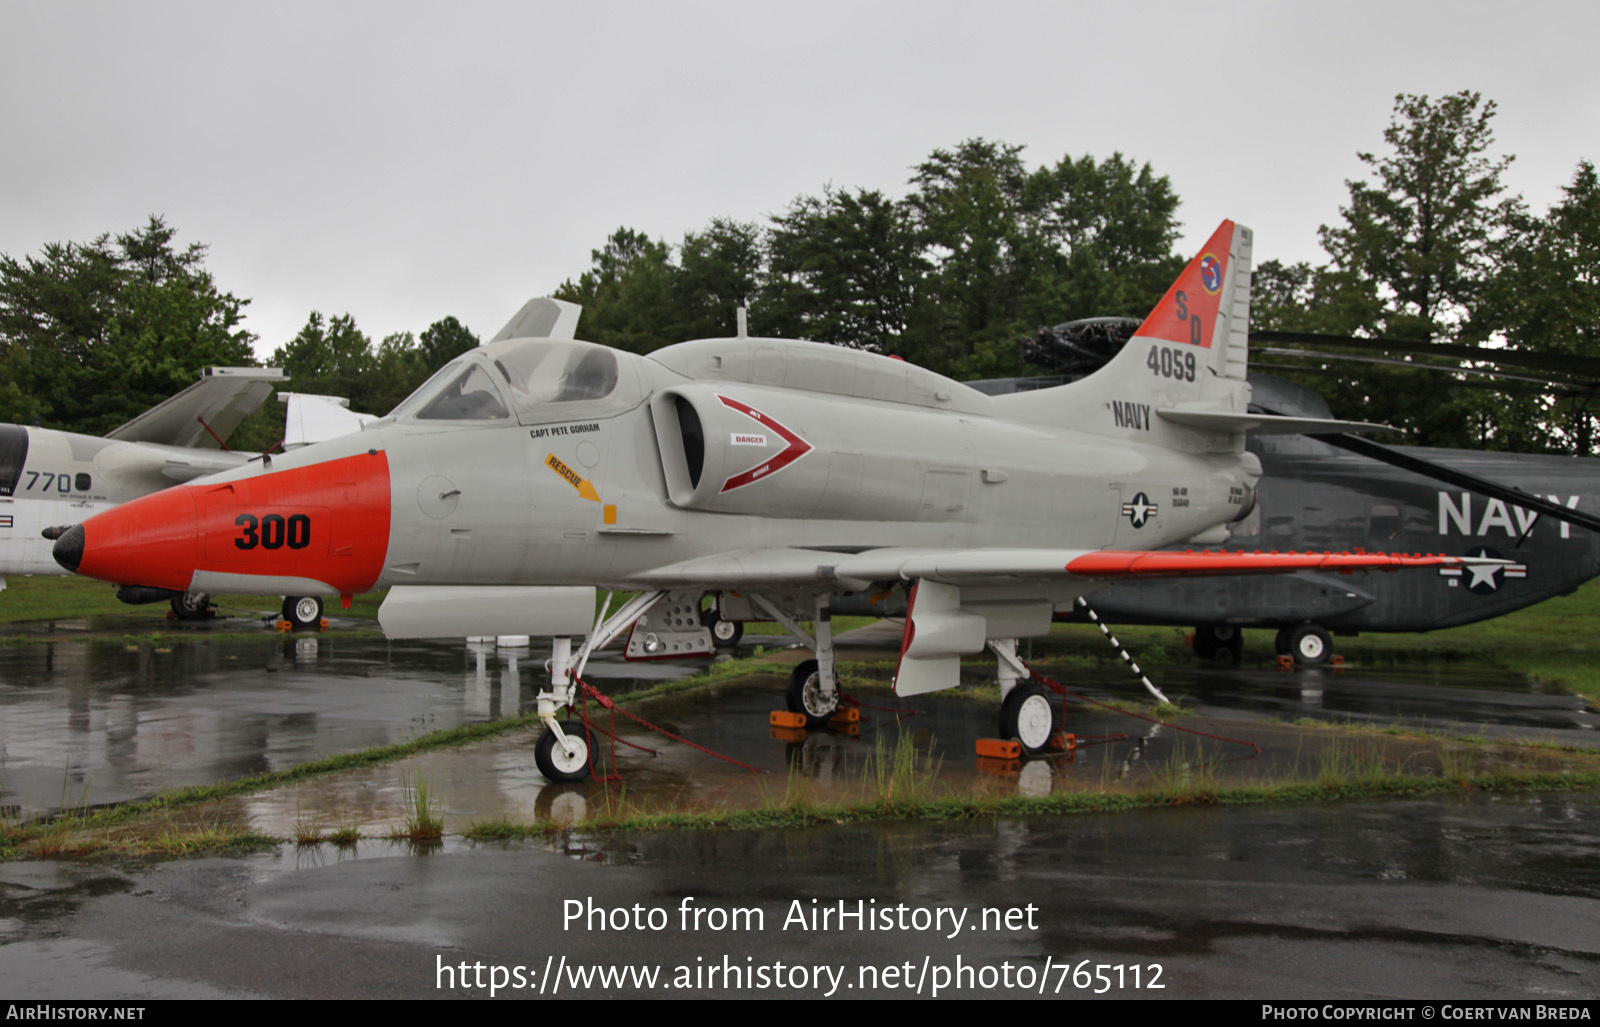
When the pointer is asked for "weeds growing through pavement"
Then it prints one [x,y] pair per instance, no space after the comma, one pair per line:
[422,817]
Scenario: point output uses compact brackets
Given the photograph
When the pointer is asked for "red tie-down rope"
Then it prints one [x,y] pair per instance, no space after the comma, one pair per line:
[1060,689]
[900,712]
[587,691]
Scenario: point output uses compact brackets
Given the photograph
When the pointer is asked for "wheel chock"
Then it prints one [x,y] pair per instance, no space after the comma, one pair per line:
[999,768]
[322,625]
[1336,660]
[1000,748]
[1188,640]
[847,716]
[788,734]
[171,616]
[1286,663]
[284,626]
[783,718]
[1061,741]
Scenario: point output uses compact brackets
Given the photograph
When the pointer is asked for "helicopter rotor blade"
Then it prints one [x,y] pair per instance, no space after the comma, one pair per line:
[1460,479]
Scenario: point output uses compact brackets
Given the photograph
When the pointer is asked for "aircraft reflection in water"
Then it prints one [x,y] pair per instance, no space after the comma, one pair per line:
[793,478]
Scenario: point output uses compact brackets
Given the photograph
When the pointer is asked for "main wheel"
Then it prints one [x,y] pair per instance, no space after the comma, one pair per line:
[191,605]
[1310,644]
[555,762]
[726,633]
[303,611]
[1029,716]
[805,694]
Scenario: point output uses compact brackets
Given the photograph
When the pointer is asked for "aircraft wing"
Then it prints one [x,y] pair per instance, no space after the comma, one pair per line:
[800,567]
[206,412]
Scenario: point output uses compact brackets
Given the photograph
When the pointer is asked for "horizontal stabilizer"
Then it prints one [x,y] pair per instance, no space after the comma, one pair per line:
[310,418]
[1266,424]
[207,412]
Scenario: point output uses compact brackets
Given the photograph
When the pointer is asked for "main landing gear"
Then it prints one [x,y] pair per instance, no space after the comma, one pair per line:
[813,689]
[1307,643]
[303,611]
[1028,712]
[1220,642]
[191,606]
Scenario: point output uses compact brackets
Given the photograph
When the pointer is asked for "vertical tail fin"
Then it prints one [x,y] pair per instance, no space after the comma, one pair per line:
[1190,353]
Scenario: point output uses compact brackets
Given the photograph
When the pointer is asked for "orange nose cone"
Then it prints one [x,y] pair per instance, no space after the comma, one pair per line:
[323,524]
[152,541]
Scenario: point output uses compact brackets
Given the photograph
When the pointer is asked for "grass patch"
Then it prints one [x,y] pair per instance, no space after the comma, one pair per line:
[422,814]
[1168,794]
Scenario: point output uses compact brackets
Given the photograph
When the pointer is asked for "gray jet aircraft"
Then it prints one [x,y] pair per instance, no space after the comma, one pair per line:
[801,477]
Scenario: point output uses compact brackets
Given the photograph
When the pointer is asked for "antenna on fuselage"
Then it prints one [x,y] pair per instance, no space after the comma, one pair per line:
[741,320]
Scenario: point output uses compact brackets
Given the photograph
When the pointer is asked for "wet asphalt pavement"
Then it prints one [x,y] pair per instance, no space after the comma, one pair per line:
[1472,896]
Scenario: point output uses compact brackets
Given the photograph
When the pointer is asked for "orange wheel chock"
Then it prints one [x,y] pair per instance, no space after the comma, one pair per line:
[847,716]
[1000,748]
[783,718]
[999,768]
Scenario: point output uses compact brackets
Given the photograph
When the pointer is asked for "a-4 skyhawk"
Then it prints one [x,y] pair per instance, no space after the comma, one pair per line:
[795,479]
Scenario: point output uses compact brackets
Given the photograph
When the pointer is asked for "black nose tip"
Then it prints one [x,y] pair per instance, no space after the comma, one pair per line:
[68,549]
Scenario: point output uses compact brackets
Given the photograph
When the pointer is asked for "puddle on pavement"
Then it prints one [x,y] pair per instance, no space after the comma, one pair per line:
[106,719]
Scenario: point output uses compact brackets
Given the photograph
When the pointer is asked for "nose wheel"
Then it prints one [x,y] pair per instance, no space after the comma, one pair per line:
[563,763]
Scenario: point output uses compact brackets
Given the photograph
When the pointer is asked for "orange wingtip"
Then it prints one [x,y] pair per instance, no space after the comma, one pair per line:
[1116,563]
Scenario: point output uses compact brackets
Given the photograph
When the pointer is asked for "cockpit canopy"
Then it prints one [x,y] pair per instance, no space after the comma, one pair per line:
[531,381]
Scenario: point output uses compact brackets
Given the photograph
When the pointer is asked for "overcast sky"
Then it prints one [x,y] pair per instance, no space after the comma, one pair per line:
[403,161]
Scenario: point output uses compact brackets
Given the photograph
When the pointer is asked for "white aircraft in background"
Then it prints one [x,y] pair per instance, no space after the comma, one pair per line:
[50,480]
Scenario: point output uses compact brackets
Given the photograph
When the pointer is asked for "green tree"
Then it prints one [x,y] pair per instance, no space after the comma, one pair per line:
[330,356]
[93,334]
[842,268]
[1546,299]
[627,293]
[1115,224]
[1422,241]
[718,271]
[977,215]
[440,343]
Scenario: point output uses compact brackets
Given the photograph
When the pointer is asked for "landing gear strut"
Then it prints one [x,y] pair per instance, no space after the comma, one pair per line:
[813,688]
[563,759]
